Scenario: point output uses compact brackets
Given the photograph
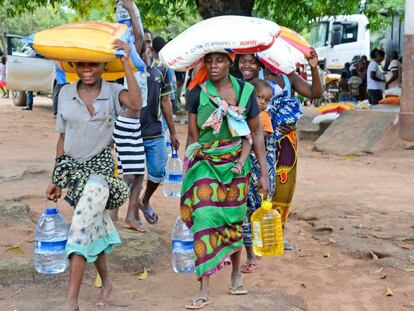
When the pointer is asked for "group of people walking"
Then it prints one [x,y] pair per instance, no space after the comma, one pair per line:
[226,175]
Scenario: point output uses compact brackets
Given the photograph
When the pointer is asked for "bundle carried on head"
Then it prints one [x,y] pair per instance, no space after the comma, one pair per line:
[225,34]
[85,42]
[287,52]
[279,49]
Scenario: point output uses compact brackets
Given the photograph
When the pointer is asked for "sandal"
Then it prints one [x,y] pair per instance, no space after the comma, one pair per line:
[237,168]
[150,216]
[248,268]
[238,290]
[198,302]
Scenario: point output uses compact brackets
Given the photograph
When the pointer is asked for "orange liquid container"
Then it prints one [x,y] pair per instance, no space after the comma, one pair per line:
[267,231]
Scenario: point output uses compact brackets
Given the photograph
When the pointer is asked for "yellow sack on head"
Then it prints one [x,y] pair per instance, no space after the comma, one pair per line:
[83,42]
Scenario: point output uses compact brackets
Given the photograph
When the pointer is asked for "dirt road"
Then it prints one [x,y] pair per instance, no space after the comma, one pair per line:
[352,225]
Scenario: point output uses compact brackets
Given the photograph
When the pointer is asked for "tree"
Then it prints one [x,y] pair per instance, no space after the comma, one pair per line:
[164,13]
[29,22]
[210,8]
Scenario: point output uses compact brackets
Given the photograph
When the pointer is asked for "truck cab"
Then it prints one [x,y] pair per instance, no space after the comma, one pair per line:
[27,71]
[337,39]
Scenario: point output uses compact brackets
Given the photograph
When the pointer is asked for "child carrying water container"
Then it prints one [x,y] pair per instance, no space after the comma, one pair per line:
[86,116]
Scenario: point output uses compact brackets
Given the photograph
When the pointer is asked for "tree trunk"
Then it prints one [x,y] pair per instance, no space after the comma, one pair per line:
[211,8]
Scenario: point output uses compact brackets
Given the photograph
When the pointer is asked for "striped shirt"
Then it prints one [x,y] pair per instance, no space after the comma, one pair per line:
[129,146]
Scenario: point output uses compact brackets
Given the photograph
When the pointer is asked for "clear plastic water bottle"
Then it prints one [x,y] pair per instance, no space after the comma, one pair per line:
[168,149]
[174,176]
[50,241]
[122,15]
[182,248]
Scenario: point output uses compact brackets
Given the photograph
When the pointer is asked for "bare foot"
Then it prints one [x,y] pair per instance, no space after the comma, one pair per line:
[134,226]
[114,215]
[104,295]
[72,306]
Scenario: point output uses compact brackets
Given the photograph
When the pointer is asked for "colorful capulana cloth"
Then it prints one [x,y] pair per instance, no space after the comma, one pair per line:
[213,203]
[73,175]
[92,231]
[235,119]
[254,199]
[286,171]
[284,111]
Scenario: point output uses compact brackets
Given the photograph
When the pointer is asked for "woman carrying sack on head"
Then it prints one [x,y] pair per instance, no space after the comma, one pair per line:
[213,197]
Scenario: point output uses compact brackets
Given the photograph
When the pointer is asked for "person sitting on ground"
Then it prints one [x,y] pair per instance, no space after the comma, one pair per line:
[354,85]
[85,166]
[375,77]
[395,72]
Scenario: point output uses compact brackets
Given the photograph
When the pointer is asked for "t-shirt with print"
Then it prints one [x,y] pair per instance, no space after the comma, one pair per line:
[395,66]
[372,84]
[87,135]
[193,101]
[159,85]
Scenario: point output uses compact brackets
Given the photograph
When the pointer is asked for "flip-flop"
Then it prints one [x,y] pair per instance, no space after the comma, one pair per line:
[196,306]
[238,290]
[134,228]
[249,268]
[150,216]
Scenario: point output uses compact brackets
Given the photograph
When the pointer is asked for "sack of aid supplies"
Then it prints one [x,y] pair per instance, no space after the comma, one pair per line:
[226,34]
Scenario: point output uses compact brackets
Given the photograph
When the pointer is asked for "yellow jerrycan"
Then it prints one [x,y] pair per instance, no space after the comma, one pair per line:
[267,231]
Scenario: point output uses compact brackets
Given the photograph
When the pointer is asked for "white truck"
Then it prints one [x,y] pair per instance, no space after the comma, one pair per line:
[337,39]
[25,72]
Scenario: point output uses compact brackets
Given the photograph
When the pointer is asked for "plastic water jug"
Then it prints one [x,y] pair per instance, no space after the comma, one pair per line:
[122,15]
[174,176]
[182,248]
[168,149]
[50,241]
[267,231]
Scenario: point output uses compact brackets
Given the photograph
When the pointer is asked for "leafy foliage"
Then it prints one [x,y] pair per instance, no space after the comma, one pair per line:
[30,21]
[172,16]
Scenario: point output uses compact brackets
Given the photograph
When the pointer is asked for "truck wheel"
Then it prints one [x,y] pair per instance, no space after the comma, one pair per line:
[19,98]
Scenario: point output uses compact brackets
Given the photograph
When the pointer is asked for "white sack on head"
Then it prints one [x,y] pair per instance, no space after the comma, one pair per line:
[281,57]
[226,34]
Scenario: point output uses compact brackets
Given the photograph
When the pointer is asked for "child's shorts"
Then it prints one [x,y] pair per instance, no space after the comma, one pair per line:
[129,146]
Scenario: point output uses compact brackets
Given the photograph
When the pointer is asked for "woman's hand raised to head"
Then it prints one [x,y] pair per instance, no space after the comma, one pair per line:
[119,44]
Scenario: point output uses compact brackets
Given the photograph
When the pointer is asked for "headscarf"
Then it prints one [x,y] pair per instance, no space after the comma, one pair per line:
[200,74]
